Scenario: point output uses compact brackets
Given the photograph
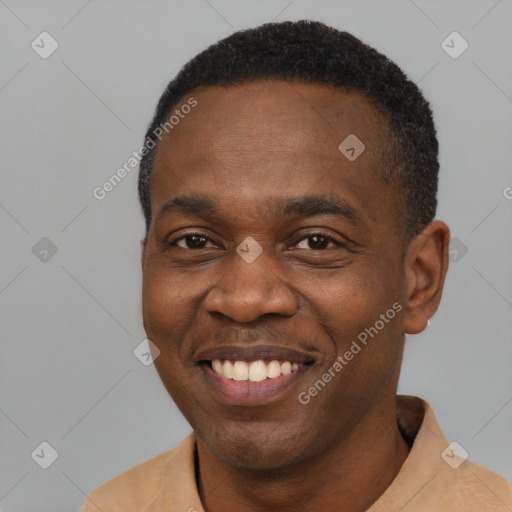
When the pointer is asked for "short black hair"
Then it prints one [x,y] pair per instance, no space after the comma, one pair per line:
[312,52]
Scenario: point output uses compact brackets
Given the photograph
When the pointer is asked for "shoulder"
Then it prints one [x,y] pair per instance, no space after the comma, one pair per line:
[435,475]
[131,489]
[477,488]
[139,486]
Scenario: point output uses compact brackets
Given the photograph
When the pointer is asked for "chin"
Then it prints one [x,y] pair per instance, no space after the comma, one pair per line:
[255,449]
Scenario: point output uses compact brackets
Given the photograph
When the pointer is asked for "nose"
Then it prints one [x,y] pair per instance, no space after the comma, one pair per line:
[247,291]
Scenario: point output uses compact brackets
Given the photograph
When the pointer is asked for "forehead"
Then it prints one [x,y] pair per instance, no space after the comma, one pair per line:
[262,138]
[265,114]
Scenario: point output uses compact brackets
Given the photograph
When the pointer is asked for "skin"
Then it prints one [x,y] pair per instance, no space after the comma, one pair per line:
[246,148]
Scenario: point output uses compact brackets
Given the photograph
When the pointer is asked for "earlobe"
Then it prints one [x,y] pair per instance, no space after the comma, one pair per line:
[426,264]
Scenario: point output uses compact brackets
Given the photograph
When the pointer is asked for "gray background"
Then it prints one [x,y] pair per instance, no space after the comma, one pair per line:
[70,324]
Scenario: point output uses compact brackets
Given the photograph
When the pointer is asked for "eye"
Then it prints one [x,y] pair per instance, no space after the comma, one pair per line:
[314,241]
[191,241]
[319,241]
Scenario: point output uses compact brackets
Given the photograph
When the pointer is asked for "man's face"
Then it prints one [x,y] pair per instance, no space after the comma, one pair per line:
[255,154]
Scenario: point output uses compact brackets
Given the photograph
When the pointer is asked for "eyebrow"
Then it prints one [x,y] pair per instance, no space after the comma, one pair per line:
[302,206]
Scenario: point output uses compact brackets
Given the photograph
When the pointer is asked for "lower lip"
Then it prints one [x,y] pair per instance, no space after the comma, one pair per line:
[245,392]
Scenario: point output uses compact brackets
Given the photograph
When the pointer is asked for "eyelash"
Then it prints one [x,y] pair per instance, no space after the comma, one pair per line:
[330,238]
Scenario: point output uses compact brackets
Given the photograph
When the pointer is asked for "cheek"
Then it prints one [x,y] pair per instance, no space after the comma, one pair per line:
[345,299]
[156,302]
[349,307]
[166,295]
[164,311]
[165,322]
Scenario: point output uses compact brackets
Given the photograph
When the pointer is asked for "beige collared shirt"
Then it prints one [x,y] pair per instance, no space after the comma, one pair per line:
[433,478]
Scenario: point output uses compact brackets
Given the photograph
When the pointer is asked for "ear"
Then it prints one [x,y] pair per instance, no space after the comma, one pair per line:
[426,264]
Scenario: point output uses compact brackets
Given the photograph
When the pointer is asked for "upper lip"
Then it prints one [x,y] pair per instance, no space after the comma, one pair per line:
[254,353]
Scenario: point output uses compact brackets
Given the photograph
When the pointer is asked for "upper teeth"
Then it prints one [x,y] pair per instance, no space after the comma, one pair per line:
[254,371]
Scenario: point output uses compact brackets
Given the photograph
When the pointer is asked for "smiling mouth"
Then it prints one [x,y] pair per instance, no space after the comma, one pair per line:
[254,371]
[255,382]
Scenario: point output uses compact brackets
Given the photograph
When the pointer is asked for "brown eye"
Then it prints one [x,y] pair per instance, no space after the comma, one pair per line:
[194,241]
[316,242]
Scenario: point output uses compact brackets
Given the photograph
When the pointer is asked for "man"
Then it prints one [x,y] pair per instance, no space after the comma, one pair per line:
[289,184]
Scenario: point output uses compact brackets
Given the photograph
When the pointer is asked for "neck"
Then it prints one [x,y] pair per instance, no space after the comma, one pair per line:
[348,478]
